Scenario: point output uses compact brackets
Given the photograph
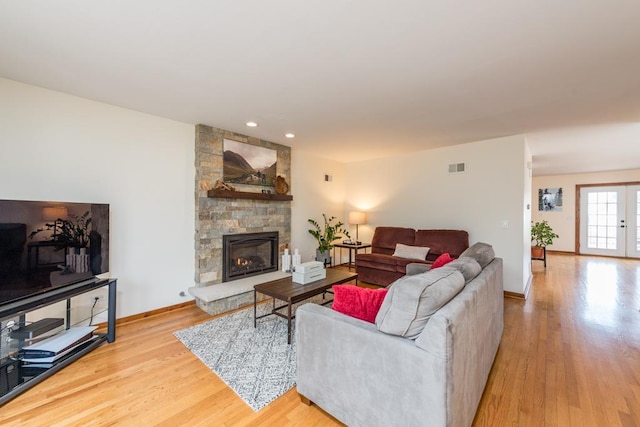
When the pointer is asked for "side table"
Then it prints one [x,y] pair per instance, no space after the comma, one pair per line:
[353,251]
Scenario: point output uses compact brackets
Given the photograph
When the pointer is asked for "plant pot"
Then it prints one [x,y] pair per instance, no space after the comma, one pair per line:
[324,257]
[537,252]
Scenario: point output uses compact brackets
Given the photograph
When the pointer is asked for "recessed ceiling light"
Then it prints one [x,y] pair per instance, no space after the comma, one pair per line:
[251,124]
[289,135]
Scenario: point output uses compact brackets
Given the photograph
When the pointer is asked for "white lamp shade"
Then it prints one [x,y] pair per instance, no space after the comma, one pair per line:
[357,218]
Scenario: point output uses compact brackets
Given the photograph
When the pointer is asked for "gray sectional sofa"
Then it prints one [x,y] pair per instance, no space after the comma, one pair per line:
[422,363]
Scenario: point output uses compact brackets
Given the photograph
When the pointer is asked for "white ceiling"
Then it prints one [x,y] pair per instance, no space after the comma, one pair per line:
[353,80]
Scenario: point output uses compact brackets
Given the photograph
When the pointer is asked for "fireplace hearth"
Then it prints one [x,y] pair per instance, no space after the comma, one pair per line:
[249,254]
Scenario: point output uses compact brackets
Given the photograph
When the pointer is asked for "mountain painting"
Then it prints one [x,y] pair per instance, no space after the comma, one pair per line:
[248,164]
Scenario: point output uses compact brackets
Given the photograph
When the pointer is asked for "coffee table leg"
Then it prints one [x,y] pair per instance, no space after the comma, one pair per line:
[289,323]
[255,310]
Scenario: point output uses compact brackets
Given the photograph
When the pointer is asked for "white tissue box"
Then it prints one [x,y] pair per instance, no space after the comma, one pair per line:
[308,267]
[311,276]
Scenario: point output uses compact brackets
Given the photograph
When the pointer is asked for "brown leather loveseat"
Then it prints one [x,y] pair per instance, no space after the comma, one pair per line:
[381,268]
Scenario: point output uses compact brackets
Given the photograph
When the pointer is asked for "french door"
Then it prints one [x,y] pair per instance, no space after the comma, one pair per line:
[610,220]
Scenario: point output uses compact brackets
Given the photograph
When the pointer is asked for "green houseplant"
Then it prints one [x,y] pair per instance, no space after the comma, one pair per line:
[542,235]
[326,235]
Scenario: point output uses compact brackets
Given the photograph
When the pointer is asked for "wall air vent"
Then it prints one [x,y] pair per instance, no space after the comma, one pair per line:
[456,168]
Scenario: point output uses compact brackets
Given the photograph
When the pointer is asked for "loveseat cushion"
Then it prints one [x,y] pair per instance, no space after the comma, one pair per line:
[481,252]
[361,303]
[385,238]
[377,261]
[440,241]
[412,300]
[467,266]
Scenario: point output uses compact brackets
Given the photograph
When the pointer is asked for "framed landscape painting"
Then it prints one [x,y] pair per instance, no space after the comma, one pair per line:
[248,164]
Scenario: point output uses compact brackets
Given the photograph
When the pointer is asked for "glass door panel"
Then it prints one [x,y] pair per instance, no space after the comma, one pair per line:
[602,219]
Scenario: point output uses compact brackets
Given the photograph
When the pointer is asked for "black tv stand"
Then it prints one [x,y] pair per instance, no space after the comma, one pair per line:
[51,296]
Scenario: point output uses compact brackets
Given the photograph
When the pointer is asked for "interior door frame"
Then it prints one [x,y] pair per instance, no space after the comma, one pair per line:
[578,212]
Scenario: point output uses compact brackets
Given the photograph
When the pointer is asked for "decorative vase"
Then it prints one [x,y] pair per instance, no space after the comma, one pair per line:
[324,257]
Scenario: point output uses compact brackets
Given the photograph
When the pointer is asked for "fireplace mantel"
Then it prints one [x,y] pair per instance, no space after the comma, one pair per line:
[226,194]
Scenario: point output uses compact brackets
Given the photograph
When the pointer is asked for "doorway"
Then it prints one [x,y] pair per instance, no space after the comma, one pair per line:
[608,220]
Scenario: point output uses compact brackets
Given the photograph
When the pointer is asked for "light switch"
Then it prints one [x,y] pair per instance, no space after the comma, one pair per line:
[505,223]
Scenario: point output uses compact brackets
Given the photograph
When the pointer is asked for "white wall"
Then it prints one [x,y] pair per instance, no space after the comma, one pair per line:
[59,147]
[564,223]
[313,196]
[416,190]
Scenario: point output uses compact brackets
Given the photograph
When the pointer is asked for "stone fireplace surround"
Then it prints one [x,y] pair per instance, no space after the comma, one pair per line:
[216,217]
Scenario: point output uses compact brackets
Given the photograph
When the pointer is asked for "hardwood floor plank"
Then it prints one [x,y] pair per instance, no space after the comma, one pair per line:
[569,356]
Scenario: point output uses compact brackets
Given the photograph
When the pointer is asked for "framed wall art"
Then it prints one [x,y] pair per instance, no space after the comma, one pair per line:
[550,199]
[248,164]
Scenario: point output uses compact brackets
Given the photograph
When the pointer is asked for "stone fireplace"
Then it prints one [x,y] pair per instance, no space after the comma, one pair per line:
[249,254]
[217,217]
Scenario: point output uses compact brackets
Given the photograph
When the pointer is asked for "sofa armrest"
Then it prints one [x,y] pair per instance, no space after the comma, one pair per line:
[351,370]
[414,268]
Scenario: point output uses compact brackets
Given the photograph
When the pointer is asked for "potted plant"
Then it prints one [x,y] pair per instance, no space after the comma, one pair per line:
[326,236]
[542,235]
[68,233]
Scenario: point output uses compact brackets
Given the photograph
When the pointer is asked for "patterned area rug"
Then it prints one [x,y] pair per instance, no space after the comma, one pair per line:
[257,363]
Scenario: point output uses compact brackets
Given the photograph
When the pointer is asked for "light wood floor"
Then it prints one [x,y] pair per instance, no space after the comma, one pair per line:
[570,356]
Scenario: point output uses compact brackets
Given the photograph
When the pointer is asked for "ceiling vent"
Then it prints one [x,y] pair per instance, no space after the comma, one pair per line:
[456,168]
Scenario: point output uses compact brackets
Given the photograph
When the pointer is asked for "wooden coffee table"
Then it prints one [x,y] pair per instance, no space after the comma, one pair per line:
[291,293]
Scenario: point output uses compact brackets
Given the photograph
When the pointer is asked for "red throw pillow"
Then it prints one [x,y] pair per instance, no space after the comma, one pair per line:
[361,303]
[442,260]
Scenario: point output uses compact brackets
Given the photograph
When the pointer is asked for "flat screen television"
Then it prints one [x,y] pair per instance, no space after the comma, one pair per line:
[46,244]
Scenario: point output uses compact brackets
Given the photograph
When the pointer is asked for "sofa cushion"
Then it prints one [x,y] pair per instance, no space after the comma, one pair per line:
[401,264]
[467,266]
[481,252]
[440,241]
[361,303]
[385,238]
[377,261]
[411,252]
[417,268]
[443,259]
[412,300]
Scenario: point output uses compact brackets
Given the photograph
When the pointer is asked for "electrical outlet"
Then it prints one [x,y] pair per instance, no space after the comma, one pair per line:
[96,298]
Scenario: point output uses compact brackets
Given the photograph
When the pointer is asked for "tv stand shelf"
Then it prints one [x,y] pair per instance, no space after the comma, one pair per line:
[56,294]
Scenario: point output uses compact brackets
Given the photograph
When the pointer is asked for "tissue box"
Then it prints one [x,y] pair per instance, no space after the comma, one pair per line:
[308,267]
[311,276]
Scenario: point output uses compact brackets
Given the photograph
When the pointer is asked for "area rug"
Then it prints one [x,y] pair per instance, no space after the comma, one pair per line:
[257,363]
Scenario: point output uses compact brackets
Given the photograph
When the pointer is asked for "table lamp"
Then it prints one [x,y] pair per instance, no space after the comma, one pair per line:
[357,218]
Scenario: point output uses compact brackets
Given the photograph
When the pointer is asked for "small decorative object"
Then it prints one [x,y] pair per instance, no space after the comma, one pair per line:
[296,259]
[221,185]
[205,185]
[286,261]
[326,237]
[309,272]
[281,185]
